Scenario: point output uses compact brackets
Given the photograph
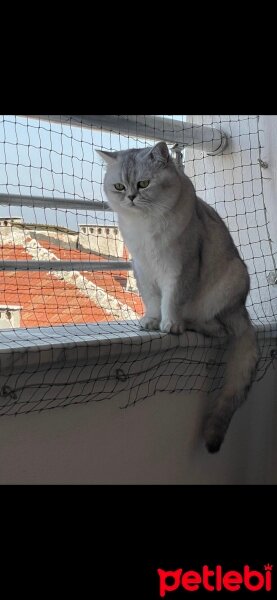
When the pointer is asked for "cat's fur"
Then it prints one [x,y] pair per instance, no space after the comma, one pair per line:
[188,270]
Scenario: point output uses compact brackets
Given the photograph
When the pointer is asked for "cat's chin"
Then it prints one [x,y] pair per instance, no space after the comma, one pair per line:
[131,205]
[125,207]
[130,210]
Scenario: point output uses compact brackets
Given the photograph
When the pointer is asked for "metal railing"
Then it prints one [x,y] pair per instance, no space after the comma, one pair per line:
[49,202]
[65,265]
[181,134]
[201,137]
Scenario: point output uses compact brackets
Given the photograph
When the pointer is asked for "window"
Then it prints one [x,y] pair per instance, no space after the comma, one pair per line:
[60,215]
[58,168]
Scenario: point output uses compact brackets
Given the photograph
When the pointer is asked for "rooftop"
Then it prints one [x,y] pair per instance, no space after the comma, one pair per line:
[60,297]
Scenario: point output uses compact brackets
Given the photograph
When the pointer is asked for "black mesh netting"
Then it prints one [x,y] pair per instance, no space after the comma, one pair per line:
[69,332]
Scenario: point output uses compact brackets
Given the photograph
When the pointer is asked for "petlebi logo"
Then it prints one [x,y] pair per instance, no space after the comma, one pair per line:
[216,579]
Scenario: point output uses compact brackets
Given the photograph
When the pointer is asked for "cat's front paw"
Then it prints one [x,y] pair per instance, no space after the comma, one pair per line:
[167,326]
[149,323]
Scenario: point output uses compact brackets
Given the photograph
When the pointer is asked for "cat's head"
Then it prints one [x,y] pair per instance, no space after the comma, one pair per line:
[141,180]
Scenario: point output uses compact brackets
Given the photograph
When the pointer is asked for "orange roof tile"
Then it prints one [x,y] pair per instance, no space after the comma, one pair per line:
[47,300]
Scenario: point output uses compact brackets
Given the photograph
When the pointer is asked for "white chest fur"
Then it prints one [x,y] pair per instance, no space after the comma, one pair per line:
[152,249]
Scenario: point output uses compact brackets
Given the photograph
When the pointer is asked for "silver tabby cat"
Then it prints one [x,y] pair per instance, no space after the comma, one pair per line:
[188,270]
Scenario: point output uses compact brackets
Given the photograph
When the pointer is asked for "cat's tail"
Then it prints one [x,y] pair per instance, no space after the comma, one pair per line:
[242,361]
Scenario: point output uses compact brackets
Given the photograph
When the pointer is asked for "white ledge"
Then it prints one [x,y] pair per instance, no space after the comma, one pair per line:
[38,348]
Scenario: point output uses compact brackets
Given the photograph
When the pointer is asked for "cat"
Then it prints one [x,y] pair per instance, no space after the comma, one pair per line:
[188,269]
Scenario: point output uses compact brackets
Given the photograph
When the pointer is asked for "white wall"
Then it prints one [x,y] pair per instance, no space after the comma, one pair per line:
[155,442]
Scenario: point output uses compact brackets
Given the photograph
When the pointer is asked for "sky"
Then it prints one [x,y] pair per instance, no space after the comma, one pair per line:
[41,158]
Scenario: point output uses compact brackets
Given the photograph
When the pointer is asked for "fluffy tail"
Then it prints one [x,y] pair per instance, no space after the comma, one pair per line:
[241,366]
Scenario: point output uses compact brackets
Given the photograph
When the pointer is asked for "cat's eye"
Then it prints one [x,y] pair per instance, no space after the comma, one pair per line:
[119,186]
[143,184]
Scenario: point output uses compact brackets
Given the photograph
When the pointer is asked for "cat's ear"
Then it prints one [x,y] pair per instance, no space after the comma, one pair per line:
[160,152]
[108,157]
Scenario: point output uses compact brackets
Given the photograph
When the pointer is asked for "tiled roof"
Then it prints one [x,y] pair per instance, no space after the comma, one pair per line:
[48,300]
[114,282]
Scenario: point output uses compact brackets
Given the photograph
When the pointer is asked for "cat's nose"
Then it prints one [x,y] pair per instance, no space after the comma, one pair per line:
[132,196]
